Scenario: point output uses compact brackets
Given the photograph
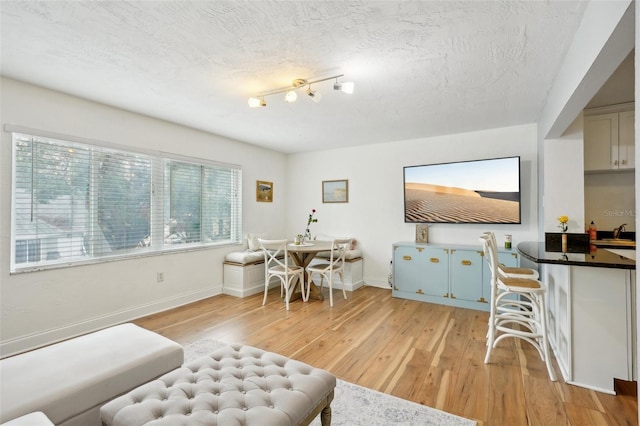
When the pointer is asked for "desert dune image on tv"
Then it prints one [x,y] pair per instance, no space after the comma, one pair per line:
[482,191]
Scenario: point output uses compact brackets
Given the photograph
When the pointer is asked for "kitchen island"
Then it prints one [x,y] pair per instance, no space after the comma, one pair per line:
[591,313]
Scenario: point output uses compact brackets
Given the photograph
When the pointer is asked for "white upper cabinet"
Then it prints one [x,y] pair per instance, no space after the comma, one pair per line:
[626,140]
[609,139]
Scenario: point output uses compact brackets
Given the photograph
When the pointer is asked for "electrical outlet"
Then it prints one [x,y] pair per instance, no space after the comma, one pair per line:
[160,277]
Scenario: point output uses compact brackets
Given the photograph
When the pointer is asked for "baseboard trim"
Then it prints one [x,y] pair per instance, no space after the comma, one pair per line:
[35,340]
[371,282]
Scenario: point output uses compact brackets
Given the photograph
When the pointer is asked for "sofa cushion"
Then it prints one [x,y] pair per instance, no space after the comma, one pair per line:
[252,241]
[32,419]
[68,378]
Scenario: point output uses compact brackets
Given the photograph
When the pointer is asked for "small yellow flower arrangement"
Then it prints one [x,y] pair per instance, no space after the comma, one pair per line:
[563,223]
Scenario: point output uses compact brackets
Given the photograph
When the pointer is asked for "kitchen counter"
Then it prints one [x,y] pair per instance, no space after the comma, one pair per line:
[599,257]
[590,306]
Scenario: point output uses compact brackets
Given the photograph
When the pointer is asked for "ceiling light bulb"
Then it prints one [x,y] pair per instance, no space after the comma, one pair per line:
[254,102]
[291,96]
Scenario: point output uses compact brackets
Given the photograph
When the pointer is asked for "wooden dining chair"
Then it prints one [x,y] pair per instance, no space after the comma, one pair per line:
[335,266]
[278,264]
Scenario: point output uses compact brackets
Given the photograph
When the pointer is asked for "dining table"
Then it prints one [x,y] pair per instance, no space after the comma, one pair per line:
[302,255]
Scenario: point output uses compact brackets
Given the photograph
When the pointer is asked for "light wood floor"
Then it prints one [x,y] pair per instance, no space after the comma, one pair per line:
[426,353]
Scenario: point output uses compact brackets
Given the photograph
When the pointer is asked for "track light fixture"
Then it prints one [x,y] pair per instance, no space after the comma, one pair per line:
[291,95]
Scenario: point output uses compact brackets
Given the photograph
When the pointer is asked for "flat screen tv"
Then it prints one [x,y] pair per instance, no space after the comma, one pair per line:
[480,191]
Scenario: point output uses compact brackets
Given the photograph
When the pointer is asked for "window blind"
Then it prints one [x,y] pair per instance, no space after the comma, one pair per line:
[77,203]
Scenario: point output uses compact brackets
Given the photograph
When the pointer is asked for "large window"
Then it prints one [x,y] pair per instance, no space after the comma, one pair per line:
[77,203]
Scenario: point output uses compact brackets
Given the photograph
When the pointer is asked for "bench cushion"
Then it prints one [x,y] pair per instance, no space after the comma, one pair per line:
[353,253]
[71,377]
[234,385]
[349,254]
[244,257]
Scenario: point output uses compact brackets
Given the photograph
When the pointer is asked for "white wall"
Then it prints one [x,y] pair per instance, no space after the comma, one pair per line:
[375,215]
[41,307]
[564,179]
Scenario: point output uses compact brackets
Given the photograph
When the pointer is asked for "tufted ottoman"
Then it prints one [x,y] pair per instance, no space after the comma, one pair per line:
[234,385]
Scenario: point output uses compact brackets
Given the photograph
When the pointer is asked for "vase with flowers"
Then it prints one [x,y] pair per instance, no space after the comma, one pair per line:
[564,220]
[310,220]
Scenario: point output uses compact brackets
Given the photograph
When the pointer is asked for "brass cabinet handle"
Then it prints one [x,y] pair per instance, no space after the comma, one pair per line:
[419,291]
[434,260]
[482,300]
[452,296]
[466,262]
[615,163]
[446,295]
[514,255]
[406,257]
[420,249]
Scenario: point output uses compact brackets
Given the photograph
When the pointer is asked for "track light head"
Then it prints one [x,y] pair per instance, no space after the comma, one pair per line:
[314,95]
[346,87]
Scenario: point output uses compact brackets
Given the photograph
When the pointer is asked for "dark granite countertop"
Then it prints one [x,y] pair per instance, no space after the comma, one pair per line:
[598,257]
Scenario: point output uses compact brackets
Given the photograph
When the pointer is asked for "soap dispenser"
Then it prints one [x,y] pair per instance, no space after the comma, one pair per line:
[593,232]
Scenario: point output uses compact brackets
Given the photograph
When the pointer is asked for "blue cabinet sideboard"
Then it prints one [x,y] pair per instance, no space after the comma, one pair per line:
[447,274]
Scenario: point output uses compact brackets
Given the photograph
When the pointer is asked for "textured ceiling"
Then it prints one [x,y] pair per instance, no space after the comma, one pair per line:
[421,68]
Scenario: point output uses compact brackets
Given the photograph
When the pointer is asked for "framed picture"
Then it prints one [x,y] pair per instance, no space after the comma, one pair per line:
[264,191]
[335,191]
[422,233]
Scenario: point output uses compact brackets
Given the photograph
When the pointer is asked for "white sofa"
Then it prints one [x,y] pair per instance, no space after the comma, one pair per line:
[69,381]
[244,270]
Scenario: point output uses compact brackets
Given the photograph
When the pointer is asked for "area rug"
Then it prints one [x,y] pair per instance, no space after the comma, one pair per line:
[355,405]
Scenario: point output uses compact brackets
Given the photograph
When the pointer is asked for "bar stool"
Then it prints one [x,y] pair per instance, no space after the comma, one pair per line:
[509,271]
[522,316]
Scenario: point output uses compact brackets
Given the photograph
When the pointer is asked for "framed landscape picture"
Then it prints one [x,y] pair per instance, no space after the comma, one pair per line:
[264,191]
[335,191]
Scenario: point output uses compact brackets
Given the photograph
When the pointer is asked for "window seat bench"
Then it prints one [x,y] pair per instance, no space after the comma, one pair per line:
[244,272]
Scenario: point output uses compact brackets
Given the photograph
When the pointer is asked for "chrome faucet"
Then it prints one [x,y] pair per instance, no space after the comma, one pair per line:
[617,231]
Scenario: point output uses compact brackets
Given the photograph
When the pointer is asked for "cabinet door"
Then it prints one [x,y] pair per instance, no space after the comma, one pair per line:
[466,275]
[406,269]
[600,138]
[435,271]
[626,140]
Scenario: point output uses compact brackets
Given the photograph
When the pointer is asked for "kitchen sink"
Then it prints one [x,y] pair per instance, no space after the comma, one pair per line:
[618,242]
